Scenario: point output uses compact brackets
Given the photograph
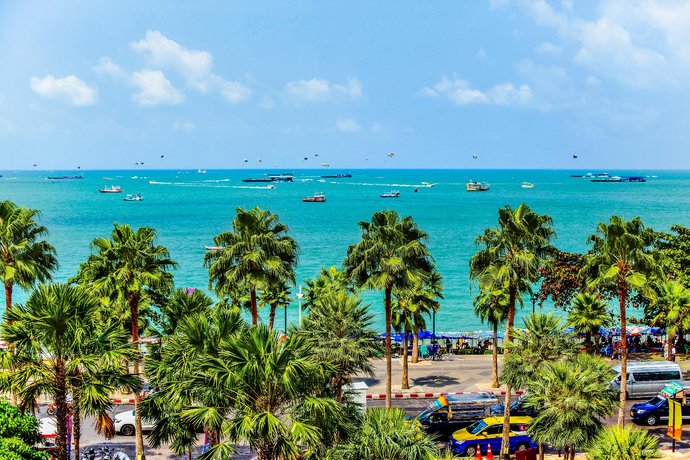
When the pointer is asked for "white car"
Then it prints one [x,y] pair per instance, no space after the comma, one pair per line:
[124,423]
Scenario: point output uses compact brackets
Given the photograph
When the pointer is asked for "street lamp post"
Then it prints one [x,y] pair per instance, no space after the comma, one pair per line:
[285,320]
[433,324]
[533,298]
[299,304]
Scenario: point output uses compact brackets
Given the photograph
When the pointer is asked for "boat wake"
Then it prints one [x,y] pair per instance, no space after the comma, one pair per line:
[205,184]
[381,184]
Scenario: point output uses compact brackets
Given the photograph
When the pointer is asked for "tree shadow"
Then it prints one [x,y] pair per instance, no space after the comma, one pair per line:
[435,381]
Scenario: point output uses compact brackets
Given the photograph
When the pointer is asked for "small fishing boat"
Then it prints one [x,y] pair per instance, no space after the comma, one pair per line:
[133,197]
[527,185]
[318,197]
[391,194]
[260,179]
[201,171]
[111,189]
[214,248]
[476,186]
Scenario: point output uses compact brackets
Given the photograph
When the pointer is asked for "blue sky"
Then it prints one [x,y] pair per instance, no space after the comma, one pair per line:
[521,84]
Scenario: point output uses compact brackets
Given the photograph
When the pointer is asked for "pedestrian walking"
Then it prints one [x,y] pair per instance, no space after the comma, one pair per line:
[673,353]
[665,350]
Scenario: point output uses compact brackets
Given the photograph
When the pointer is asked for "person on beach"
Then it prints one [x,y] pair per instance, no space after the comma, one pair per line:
[665,350]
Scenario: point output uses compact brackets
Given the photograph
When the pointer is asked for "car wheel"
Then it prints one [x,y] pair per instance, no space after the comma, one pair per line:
[521,446]
[471,451]
[127,430]
[651,420]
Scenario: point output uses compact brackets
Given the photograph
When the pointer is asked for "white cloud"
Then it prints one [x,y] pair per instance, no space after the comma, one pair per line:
[161,52]
[107,67]
[460,93]
[266,103]
[319,90]
[549,49]
[348,125]
[69,88]
[184,126]
[644,44]
[154,89]
[195,67]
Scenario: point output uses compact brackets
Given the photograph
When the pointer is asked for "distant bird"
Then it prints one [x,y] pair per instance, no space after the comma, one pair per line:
[475,156]
[259,160]
[305,158]
[35,165]
[142,162]
[391,154]
[78,167]
[162,156]
[245,160]
[137,164]
[366,159]
[316,154]
[575,156]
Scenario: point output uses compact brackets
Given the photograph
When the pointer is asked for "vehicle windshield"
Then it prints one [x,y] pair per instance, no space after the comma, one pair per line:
[423,415]
[657,400]
[476,427]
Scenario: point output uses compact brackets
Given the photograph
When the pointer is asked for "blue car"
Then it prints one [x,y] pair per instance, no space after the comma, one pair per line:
[489,432]
[655,411]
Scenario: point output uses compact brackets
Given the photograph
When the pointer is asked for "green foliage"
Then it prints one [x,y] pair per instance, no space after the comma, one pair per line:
[675,249]
[180,305]
[338,328]
[542,341]
[588,314]
[256,252]
[628,443]
[330,280]
[385,434]
[572,397]
[673,306]
[18,434]
[24,258]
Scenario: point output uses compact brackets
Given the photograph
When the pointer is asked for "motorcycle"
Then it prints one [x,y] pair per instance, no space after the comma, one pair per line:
[52,408]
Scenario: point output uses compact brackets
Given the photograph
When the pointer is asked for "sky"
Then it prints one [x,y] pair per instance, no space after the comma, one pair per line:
[210,84]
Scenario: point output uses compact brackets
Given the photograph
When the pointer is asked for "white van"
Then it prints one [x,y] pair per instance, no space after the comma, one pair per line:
[649,378]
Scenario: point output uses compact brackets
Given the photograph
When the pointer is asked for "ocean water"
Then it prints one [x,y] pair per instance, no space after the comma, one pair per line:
[188,209]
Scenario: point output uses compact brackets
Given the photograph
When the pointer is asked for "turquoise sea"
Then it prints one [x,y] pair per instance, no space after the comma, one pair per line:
[188,209]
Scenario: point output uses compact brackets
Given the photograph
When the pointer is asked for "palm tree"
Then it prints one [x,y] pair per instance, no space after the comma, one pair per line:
[338,328]
[61,347]
[129,268]
[386,434]
[187,399]
[408,313]
[589,313]
[492,307]
[25,259]
[627,443]
[330,280]
[674,300]
[391,254]
[572,398]
[274,382]
[513,255]
[275,295]
[257,250]
[621,259]
[181,304]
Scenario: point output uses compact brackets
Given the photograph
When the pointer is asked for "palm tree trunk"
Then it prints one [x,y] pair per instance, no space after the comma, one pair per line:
[76,426]
[405,384]
[415,345]
[541,451]
[622,292]
[255,312]
[389,367]
[494,357]
[189,453]
[505,444]
[596,344]
[272,317]
[134,310]
[669,341]
[339,388]
[8,297]
[61,411]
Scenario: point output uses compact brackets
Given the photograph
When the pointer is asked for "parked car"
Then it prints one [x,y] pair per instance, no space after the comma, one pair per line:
[647,379]
[489,431]
[655,411]
[124,423]
[517,408]
[449,413]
